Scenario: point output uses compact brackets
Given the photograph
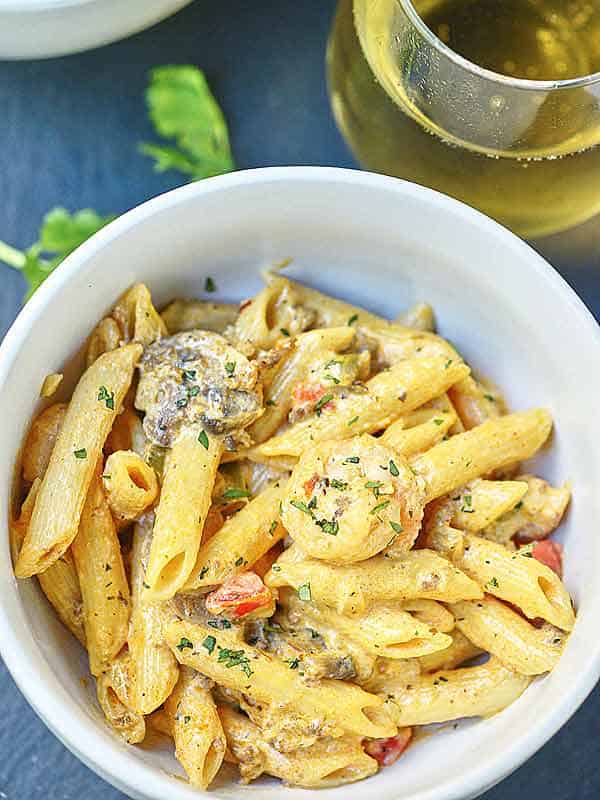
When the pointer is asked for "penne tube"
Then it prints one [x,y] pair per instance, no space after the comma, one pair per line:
[64,488]
[40,441]
[196,729]
[420,317]
[327,763]
[385,629]
[154,667]
[104,587]
[50,384]
[389,394]
[388,671]
[138,320]
[493,626]
[482,502]
[517,578]
[452,694]
[351,589]
[59,583]
[243,539]
[221,656]
[113,689]
[185,499]
[189,315]
[105,337]
[489,446]
[431,613]
[130,485]
[293,370]
[461,650]
[417,439]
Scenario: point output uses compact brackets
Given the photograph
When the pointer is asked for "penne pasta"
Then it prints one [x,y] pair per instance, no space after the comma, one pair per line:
[153,665]
[113,689]
[88,420]
[222,657]
[189,315]
[105,337]
[481,502]
[130,485]
[493,626]
[185,499]
[137,318]
[40,441]
[350,589]
[389,394]
[104,587]
[196,729]
[420,317]
[452,694]
[409,441]
[241,542]
[460,651]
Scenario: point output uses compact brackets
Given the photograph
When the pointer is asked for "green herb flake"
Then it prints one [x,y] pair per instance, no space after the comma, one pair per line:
[301,506]
[293,662]
[270,403]
[490,397]
[519,505]
[394,469]
[82,453]
[493,583]
[235,658]
[322,402]
[188,375]
[396,527]
[353,319]
[331,378]
[184,643]
[239,561]
[203,572]
[106,397]
[203,439]
[304,592]
[276,568]
[341,485]
[438,421]
[209,644]
[447,364]
[234,493]
[230,368]
[284,331]
[351,460]
[181,402]
[352,421]
[210,285]
[272,527]
[186,719]
[380,507]
[328,526]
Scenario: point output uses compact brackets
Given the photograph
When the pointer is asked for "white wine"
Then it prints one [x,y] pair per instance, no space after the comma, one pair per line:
[527,156]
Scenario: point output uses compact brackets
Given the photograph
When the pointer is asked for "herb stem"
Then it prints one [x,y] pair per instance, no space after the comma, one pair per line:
[11,256]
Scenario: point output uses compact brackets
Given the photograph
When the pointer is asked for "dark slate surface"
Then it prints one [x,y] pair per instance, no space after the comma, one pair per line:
[68,134]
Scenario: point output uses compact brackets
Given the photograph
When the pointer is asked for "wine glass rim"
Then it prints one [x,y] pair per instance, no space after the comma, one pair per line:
[498,77]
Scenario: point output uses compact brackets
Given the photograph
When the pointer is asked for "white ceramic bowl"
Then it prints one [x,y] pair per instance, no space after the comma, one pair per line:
[385,244]
[43,28]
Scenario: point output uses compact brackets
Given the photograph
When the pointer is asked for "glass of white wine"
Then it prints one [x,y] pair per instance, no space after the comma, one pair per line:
[494,102]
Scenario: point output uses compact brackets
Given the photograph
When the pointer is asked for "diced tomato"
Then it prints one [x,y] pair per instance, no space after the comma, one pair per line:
[240,595]
[304,393]
[550,554]
[387,751]
[309,485]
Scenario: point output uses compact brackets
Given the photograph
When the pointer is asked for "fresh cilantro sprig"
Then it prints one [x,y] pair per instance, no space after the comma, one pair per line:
[182,108]
[60,234]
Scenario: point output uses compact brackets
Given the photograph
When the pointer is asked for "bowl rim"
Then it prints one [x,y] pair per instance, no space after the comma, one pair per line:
[116,765]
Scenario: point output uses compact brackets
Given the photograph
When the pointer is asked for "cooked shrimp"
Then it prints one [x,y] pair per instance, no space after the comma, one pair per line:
[347,501]
[240,596]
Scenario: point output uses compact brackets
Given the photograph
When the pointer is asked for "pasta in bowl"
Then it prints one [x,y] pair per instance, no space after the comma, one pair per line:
[291,533]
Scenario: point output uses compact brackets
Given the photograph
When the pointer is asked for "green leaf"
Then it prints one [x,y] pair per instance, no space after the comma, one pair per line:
[60,234]
[183,109]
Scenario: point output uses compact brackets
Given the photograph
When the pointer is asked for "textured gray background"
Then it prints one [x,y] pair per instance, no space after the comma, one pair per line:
[68,134]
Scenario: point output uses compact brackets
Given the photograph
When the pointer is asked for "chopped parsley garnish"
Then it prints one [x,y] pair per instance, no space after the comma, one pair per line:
[490,397]
[219,624]
[396,527]
[210,285]
[312,503]
[352,319]
[447,364]
[493,582]
[273,527]
[341,485]
[304,592]
[270,403]
[106,397]
[466,507]
[233,493]
[184,643]
[438,421]
[375,486]
[322,402]
[182,402]
[209,643]
[331,378]
[230,368]
[332,363]
[235,658]
[301,506]
[328,526]
[188,374]
[351,460]
[193,391]
[380,507]
[203,439]
[82,453]
[284,331]
[353,420]
[276,568]
[186,719]
[293,662]
[203,571]
[239,561]
[394,469]
[519,505]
